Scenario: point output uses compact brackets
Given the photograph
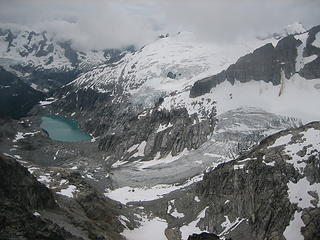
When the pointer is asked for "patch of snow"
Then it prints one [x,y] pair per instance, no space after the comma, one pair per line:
[47,101]
[229,226]
[36,214]
[163,127]
[140,150]
[69,191]
[272,164]
[17,157]
[196,198]
[191,228]
[132,148]
[237,167]
[44,179]
[88,175]
[173,211]
[310,59]
[293,230]
[149,229]
[123,220]
[316,42]
[18,136]
[32,169]
[310,141]
[145,113]
[34,86]
[63,181]
[283,140]
[299,192]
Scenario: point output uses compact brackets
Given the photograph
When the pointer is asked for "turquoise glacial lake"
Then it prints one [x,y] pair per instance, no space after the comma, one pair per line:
[63,129]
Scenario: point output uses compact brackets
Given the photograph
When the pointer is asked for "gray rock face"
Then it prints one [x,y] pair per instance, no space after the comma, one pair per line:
[19,185]
[162,131]
[265,63]
[27,205]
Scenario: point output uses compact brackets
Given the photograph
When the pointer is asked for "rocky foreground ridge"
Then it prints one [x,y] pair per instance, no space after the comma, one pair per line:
[271,192]
[30,210]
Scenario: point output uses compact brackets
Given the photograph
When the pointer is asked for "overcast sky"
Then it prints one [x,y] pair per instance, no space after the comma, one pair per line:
[100,24]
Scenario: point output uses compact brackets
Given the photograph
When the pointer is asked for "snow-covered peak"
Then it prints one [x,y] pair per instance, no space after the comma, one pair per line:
[30,49]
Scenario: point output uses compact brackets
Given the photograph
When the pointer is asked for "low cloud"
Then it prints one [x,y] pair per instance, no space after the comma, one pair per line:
[101,24]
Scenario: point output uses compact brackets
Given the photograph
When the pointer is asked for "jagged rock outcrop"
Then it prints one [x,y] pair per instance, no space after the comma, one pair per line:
[157,132]
[266,63]
[270,192]
[16,97]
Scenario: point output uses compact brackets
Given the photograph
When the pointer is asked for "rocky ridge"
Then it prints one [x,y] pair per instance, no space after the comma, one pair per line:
[270,192]
[71,209]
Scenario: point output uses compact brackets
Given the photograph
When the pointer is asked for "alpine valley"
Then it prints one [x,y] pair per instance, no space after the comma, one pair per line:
[186,139]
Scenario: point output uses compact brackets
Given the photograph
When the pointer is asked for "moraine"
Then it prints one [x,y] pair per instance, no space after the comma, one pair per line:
[63,129]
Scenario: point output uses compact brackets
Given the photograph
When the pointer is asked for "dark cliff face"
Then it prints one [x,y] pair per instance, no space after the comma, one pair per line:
[16,97]
[20,196]
[266,64]
[30,210]
[18,185]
